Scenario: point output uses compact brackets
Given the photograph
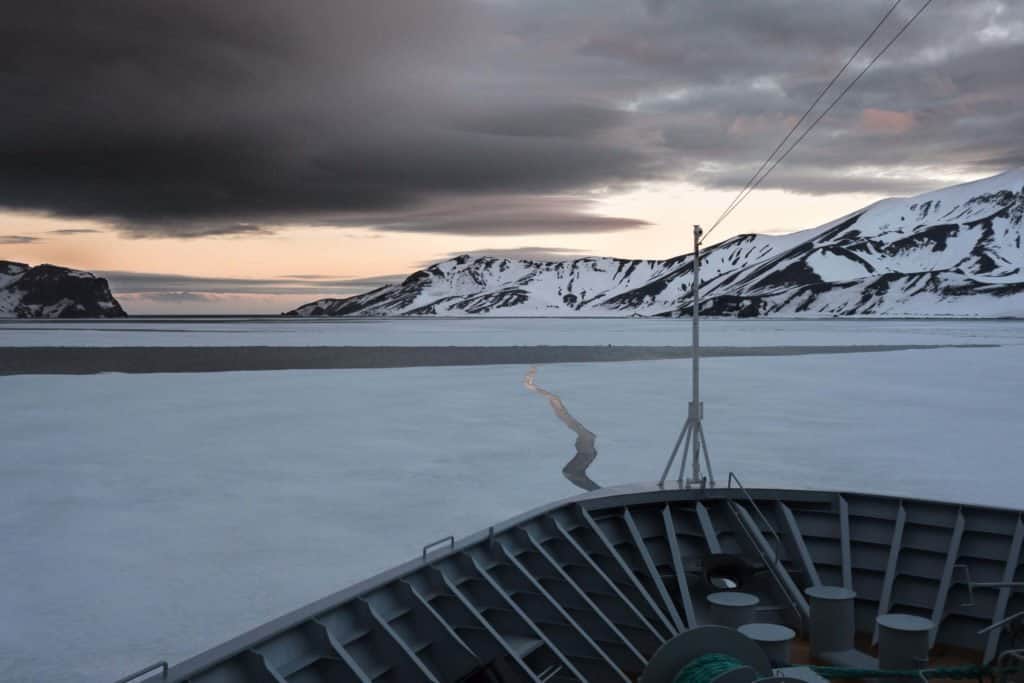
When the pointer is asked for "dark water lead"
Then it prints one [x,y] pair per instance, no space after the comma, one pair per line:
[586,451]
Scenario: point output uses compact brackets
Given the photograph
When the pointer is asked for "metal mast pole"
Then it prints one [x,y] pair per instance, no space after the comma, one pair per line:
[696,407]
[693,429]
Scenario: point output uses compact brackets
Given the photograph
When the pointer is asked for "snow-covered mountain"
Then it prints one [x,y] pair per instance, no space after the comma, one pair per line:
[955,251]
[52,292]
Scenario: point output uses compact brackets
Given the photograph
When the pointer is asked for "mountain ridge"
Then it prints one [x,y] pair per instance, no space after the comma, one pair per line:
[953,251]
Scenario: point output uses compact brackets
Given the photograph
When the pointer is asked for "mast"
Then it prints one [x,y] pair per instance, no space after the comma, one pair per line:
[693,429]
[696,407]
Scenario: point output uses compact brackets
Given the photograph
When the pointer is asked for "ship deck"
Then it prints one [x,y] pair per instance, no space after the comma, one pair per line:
[589,587]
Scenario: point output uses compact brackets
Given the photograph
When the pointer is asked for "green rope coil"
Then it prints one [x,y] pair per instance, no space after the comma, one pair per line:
[706,667]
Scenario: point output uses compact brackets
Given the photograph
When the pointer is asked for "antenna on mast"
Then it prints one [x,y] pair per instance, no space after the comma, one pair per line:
[693,429]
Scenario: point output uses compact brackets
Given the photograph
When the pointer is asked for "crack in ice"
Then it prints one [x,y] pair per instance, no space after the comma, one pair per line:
[586,450]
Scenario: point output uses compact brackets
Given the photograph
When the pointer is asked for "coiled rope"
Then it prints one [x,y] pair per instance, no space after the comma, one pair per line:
[706,667]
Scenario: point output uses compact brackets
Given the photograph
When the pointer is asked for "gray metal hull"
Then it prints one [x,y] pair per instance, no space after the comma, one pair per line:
[589,587]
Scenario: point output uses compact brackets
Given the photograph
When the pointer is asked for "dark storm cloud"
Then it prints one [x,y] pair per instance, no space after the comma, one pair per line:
[568,121]
[217,117]
[201,118]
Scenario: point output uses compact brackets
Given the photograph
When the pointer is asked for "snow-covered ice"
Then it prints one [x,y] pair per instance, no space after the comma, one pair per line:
[152,516]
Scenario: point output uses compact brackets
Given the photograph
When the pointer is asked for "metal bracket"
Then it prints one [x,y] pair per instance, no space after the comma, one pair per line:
[778,541]
[447,539]
[692,438]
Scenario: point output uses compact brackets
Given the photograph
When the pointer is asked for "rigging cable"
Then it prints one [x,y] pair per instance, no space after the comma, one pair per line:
[753,185]
[738,198]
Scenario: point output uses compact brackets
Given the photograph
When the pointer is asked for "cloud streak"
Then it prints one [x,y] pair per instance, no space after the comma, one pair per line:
[75,231]
[167,286]
[526,253]
[497,215]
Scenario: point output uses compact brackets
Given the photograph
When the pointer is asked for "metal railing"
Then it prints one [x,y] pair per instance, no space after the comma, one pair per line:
[1002,622]
[971,585]
[775,564]
[743,490]
[162,665]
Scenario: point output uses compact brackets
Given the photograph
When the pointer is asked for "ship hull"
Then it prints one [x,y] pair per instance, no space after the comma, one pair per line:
[588,588]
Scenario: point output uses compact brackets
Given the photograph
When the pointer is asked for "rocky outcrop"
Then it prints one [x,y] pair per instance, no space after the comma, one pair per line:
[47,291]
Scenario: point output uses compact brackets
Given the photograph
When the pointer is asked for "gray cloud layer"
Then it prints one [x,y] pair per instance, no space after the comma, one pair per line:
[495,215]
[213,117]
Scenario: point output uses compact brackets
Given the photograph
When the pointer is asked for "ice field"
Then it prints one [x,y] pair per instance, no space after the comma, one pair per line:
[468,331]
[152,516]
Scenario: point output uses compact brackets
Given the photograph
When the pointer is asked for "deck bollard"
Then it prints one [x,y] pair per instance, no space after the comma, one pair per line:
[732,608]
[903,641]
[832,624]
[774,640]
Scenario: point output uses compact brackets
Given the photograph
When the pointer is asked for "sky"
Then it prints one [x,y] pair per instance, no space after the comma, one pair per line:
[229,156]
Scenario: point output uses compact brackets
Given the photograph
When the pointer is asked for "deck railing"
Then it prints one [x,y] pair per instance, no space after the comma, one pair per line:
[774,565]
